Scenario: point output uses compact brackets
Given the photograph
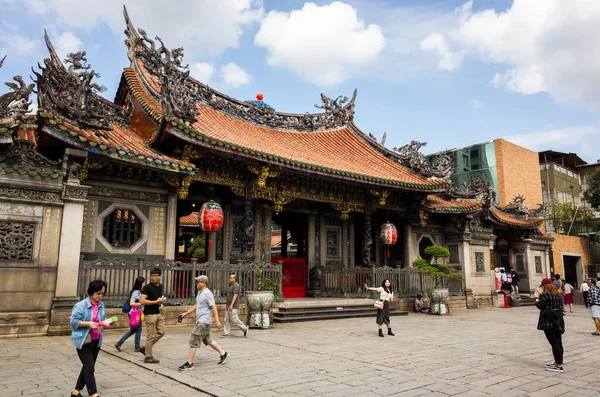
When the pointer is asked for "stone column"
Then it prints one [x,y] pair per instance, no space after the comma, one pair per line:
[227,231]
[322,240]
[257,232]
[171,225]
[367,245]
[312,240]
[351,248]
[268,216]
[211,254]
[407,245]
[344,246]
[67,275]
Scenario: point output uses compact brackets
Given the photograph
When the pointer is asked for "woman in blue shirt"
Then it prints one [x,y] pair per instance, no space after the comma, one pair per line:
[88,320]
[134,300]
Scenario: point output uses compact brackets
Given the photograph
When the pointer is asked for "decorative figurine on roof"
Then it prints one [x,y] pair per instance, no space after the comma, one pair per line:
[410,156]
[71,92]
[518,207]
[338,111]
[14,105]
[2,61]
[475,188]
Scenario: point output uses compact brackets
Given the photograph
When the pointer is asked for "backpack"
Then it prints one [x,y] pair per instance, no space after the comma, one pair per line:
[126,305]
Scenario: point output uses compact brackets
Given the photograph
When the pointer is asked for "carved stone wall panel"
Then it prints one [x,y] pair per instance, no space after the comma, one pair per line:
[30,195]
[156,238]
[479,262]
[88,233]
[125,194]
[333,243]
[17,241]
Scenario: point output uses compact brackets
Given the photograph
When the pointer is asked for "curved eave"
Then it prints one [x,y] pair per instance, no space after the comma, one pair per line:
[507,220]
[73,135]
[191,135]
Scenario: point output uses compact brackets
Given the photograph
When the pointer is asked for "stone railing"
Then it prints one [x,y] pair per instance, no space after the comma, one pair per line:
[177,277]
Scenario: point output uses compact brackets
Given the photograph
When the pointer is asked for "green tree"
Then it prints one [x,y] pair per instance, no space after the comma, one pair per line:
[439,271]
[570,219]
[197,248]
[592,194]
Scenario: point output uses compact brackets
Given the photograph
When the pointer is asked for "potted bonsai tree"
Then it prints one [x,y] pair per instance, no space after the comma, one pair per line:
[439,272]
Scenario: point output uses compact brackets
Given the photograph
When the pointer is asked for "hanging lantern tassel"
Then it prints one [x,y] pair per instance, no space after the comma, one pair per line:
[388,252]
[209,241]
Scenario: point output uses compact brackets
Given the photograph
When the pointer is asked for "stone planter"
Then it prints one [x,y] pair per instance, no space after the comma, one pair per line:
[439,301]
[260,307]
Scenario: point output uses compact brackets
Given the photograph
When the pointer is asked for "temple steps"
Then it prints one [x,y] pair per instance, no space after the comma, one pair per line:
[312,310]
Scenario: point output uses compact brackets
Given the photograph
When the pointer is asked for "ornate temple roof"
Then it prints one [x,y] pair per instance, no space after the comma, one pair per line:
[324,143]
[190,220]
[440,205]
[71,110]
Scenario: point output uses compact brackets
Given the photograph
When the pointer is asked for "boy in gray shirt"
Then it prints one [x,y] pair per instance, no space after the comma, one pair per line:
[205,308]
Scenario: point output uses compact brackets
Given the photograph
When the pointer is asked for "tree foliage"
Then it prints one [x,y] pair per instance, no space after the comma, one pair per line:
[592,193]
[197,248]
[569,219]
[439,271]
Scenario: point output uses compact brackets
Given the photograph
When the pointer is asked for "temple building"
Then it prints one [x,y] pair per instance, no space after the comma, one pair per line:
[87,177]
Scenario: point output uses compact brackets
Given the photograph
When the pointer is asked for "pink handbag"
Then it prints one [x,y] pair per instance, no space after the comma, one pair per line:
[135,318]
[378,304]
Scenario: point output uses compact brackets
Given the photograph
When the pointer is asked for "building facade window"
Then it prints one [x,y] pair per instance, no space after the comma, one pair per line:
[454,254]
[16,241]
[425,242]
[122,228]
[479,262]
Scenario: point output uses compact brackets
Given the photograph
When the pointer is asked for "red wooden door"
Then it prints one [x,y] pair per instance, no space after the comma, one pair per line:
[294,277]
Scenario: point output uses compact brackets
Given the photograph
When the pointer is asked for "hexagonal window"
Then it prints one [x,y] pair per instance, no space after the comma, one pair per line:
[122,228]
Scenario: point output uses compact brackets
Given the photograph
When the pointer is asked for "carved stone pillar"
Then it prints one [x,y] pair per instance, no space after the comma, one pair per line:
[268,216]
[322,240]
[312,240]
[248,225]
[344,246]
[367,242]
[352,248]
[171,225]
[227,230]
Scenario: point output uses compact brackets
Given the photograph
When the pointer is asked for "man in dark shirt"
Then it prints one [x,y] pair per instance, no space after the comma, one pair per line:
[233,302]
[593,300]
[153,301]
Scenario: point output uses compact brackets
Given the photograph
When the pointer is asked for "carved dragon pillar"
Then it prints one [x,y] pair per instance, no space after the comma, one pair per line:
[367,242]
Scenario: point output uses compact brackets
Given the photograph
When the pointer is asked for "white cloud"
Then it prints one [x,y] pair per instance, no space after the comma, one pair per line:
[449,60]
[14,43]
[477,103]
[324,45]
[200,26]
[235,76]
[545,45]
[572,139]
[66,43]
[202,72]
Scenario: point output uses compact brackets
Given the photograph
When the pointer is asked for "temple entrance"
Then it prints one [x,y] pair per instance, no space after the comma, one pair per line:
[289,232]
[573,268]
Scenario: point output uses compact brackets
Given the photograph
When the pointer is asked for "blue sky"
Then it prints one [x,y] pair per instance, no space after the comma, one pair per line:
[450,73]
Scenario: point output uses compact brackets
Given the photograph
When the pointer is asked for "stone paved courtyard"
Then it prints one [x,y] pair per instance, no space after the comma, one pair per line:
[481,352]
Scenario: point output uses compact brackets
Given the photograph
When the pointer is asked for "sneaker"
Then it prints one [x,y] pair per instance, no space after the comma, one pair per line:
[550,364]
[142,350]
[554,368]
[118,347]
[223,358]
[224,336]
[151,360]
[187,366]
[246,331]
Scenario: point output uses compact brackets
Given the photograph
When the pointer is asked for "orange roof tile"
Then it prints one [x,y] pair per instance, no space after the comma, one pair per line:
[118,143]
[189,220]
[443,206]
[515,222]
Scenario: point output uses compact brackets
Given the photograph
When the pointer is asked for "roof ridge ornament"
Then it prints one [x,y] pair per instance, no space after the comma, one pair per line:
[181,94]
[474,188]
[409,155]
[518,208]
[14,105]
[72,93]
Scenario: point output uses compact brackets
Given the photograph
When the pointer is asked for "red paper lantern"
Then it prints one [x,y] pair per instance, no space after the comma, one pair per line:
[389,234]
[210,217]
[259,97]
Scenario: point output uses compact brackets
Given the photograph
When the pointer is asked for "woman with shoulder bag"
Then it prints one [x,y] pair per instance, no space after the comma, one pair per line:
[88,320]
[134,301]
[551,321]
[383,311]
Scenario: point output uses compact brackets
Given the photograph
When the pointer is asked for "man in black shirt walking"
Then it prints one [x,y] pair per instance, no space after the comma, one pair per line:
[233,302]
[153,301]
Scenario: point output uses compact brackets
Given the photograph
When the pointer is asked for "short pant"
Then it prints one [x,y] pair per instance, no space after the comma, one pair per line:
[200,334]
[595,311]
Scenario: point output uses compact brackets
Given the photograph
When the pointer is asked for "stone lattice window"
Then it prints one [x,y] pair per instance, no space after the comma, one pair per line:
[122,228]
[16,241]
[479,262]
[538,264]
[453,253]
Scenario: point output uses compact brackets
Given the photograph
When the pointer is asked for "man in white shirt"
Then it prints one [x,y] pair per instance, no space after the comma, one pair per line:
[585,287]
